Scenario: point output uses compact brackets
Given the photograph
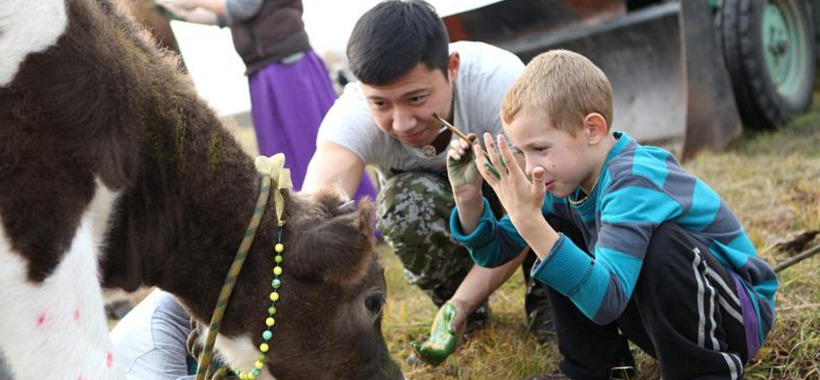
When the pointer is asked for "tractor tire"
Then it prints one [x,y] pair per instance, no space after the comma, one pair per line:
[770,52]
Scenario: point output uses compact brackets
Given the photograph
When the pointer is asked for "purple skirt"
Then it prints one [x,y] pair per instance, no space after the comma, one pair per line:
[288,103]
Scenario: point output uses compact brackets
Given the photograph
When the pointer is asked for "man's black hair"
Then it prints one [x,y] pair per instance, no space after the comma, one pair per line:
[392,38]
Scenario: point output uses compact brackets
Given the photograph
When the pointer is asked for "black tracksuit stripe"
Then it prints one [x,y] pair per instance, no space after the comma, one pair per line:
[684,312]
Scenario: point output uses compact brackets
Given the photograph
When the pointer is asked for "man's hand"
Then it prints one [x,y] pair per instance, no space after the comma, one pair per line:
[461,169]
[466,183]
[443,337]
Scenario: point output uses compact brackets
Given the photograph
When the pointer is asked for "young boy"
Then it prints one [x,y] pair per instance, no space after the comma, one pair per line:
[631,245]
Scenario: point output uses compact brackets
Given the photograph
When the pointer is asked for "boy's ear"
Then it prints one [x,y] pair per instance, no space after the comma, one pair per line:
[596,127]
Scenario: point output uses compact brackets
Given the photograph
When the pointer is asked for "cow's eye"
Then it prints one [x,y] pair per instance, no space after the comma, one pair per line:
[374,304]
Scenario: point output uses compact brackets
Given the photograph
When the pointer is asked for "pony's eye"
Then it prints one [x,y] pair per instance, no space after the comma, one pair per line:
[374,304]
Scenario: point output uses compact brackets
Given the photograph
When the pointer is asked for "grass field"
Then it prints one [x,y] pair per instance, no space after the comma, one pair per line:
[772,182]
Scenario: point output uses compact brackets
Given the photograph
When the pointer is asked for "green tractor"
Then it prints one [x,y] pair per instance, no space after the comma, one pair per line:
[687,74]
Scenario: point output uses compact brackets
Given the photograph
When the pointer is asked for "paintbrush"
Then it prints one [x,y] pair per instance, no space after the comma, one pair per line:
[453,129]
[470,140]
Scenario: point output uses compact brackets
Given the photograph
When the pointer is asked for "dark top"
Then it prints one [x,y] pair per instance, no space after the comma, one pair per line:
[276,32]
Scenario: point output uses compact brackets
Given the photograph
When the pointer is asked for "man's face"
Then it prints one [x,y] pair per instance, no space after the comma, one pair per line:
[403,109]
[563,156]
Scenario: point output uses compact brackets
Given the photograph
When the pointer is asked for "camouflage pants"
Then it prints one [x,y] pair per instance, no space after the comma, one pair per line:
[414,215]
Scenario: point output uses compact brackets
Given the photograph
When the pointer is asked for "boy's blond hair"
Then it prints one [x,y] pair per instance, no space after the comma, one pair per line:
[565,86]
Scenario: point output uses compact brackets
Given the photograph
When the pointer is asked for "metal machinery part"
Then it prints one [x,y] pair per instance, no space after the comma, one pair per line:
[666,60]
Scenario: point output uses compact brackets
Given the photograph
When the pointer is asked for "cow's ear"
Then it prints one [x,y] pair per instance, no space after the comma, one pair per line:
[337,250]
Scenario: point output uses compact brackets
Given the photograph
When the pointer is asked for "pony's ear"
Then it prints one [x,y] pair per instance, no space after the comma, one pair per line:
[336,250]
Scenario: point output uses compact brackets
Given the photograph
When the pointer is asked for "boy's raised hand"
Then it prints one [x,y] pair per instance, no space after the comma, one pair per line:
[521,197]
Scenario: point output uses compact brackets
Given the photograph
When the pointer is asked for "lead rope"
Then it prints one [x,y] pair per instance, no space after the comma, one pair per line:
[267,167]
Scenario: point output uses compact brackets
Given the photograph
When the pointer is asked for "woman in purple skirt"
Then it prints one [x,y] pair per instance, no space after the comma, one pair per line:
[289,84]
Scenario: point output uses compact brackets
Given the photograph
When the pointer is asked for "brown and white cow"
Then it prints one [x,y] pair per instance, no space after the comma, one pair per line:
[114,173]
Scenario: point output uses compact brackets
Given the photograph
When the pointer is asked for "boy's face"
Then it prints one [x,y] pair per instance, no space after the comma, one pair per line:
[403,109]
[563,157]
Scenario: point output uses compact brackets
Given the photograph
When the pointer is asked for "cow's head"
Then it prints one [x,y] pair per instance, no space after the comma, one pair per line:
[341,290]
[328,320]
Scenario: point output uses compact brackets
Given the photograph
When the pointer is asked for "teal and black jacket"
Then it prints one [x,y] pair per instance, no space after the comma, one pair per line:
[640,187]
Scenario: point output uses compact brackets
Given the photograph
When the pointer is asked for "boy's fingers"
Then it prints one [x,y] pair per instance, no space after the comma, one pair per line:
[481,164]
[507,156]
[486,173]
[538,181]
[477,148]
[495,159]
[537,177]
[480,158]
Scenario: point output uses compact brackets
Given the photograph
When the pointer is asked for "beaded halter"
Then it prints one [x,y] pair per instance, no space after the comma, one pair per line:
[268,168]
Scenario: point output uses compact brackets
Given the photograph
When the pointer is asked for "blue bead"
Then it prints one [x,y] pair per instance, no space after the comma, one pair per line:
[256,372]
[276,283]
[266,335]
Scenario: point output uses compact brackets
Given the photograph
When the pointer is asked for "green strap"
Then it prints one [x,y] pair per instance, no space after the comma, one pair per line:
[267,167]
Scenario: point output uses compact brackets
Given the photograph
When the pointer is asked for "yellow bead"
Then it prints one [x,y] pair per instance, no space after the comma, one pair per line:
[279,247]
[251,376]
[277,270]
[270,321]
[258,364]
[264,347]
[274,296]
[243,376]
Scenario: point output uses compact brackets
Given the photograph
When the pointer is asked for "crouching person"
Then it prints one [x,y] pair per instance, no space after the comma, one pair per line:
[632,246]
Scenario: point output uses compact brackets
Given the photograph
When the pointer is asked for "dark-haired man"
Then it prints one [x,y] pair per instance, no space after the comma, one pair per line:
[408,70]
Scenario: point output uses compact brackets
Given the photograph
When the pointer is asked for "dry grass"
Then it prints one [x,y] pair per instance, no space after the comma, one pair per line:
[771,181]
